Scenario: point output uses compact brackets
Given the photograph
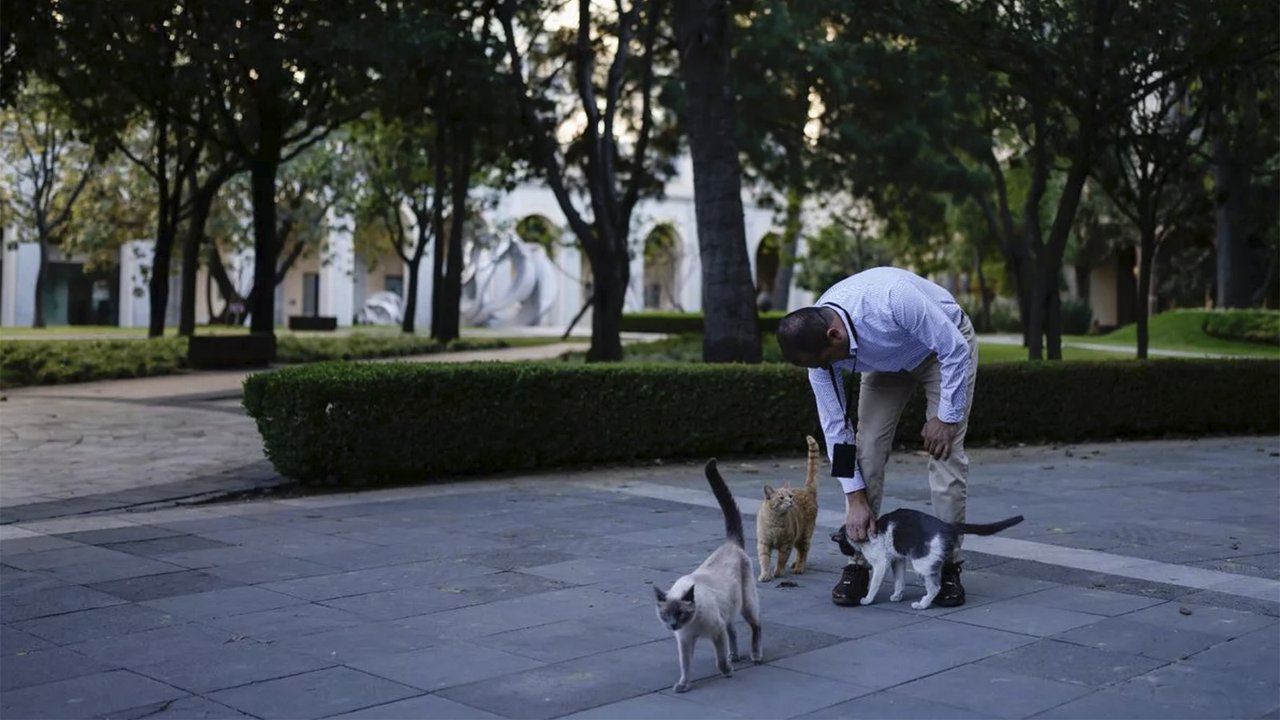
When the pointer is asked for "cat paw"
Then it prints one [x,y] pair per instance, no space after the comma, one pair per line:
[896,597]
[727,671]
[680,687]
[867,600]
[757,657]
[797,569]
[920,605]
[765,577]
[735,657]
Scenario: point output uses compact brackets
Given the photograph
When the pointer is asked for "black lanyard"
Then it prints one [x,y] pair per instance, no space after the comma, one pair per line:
[836,386]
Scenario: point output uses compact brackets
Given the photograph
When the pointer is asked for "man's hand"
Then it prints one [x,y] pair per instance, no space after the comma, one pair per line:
[938,436]
[859,523]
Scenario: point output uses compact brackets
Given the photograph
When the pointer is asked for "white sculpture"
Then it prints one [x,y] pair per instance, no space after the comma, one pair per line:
[382,308]
[511,282]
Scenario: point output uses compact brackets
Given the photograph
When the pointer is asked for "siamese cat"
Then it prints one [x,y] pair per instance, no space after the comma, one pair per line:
[923,539]
[705,602]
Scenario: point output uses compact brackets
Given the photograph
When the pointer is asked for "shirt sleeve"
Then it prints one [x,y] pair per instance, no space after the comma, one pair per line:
[924,319]
[834,427]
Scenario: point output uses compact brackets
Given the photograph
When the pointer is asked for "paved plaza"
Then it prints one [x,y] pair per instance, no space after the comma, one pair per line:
[1144,583]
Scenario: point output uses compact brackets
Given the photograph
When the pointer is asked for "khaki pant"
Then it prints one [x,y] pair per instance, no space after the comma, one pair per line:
[880,402]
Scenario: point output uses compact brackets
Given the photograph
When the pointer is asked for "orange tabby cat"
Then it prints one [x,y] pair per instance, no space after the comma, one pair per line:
[786,520]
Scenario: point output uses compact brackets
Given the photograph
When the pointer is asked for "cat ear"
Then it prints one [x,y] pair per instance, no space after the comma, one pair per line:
[768,492]
[786,485]
[688,597]
[662,597]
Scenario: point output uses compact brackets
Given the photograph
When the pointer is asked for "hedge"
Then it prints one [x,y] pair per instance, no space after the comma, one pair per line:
[677,323]
[338,423]
[1256,326]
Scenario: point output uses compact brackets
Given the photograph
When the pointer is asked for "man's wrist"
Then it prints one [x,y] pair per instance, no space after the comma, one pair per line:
[857,496]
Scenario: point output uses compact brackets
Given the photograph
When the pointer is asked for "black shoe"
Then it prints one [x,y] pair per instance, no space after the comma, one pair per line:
[852,586]
[952,592]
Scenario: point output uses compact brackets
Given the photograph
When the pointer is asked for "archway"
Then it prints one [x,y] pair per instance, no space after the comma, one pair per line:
[661,260]
[767,260]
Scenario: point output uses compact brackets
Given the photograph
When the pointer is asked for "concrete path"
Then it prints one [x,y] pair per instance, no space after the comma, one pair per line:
[88,447]
[527,597]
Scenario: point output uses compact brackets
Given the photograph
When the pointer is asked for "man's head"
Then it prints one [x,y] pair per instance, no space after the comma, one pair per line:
[812,337]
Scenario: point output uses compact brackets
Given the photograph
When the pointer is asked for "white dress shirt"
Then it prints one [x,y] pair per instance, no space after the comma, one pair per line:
[899,319]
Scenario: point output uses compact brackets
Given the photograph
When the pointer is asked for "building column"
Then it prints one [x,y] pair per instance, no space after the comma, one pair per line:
[337,271]
[135,263]
[21,263]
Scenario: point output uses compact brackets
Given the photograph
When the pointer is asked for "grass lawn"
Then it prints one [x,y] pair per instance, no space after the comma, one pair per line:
[990,353]
[1179,330]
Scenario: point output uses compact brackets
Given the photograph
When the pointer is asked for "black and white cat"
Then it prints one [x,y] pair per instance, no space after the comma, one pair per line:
[923,539]
[705,602]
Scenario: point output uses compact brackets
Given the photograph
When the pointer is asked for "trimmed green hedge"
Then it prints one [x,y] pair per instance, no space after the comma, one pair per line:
[677,323]
[339,423]
[54,362]
[1256,326]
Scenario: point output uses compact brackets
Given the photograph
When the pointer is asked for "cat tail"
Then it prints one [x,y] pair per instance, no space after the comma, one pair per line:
[811,475]
[732,517]
[989,528]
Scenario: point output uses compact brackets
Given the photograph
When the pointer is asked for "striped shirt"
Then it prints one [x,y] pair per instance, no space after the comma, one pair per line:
[899,319]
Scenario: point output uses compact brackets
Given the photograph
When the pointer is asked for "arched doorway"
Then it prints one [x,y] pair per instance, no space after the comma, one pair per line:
[767,259]
[661,260]
[539,230]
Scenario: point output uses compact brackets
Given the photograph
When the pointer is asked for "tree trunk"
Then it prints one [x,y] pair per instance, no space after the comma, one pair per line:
[612,275]
[202,198]
[411,300]
[438,310]
[461,187]
[42,269]
[161,262]
[731,330]
[262,303]
[984,297]
[1237,271]
[787,253]
[1146,248]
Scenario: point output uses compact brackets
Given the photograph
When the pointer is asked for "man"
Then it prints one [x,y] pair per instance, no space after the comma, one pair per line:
[899,330]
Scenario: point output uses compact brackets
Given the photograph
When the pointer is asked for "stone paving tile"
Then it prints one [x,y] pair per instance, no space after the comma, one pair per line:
[359,582]
[222,603]
[86,696]
[35,544]
[1216,621]
[754,692]
[97,623]
[516,613]
[557,642]
[1215,692]
[423,707]
[122,567]
[41,602]
[1256,654]
[1112,705]
[402,603]
[154,587]
[267,569]
[40,667]
[132,533]
[160,547]
[188,708]
[1064,662]
[653,705]
[15,642]
[1024,618]
[994,692]
[233,664]
[291,621]
[314,694]
[1122,635]
[892,704]
[360,641]
[443,666]
[149,647]
[1088,600]
[549,691]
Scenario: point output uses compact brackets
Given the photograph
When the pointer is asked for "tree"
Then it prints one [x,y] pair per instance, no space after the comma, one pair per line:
[283,75]
[46,170]
[614,108]
[1150,176]
[731,331]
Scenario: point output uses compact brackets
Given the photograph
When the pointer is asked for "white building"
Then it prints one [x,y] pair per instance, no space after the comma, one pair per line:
[337,283]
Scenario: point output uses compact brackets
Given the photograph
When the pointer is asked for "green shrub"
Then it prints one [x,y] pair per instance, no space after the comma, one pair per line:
[678,323]
[53,362]
[1077,316]
[1256,326]
[685,348]
[305,349]
[397,422]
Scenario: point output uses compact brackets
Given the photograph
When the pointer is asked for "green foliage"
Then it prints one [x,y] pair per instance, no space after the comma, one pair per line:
[375,423]
[1077,316]
[295,349]
[836,252]
[676,323]
[54,362]
[1256,326]
[1186,330]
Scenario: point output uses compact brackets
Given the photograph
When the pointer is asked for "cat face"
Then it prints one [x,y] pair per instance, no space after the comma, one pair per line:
[674,612]
[780,501]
